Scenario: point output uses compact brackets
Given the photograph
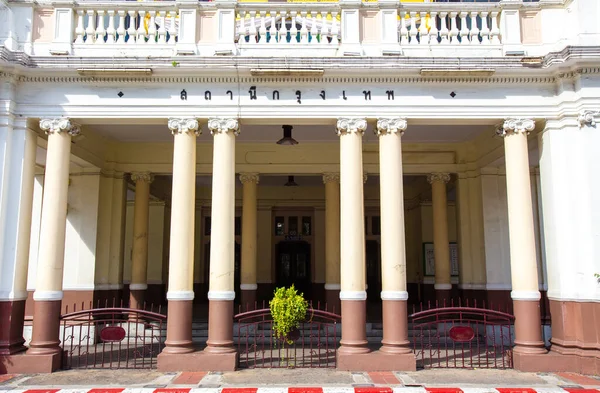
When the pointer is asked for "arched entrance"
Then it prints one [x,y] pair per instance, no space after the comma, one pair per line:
[293,265]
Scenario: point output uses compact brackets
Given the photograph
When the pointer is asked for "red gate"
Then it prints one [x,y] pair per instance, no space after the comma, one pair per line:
[314,343]
[113,338]
[462,337]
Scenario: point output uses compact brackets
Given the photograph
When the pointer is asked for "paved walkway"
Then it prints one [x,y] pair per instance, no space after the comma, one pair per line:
[299,381]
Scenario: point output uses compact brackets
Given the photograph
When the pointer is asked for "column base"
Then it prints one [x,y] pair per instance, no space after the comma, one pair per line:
[556,362]
[197,361]
[12,317]
[45,338]
[23,363]
[248,299]
[332,298]
[354,328]
[179,328]
[395,327]
[528,328]
[376,361]
[220,327]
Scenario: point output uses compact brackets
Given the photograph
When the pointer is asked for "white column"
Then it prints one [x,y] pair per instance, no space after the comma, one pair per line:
[353,293]
[249,238]
[332,239]
[441,244]
[523,261]
[139,258]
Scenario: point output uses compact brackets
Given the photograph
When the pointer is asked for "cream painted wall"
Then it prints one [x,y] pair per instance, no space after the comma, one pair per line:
[263,245]
[318,233]
[414,251]
[80,239]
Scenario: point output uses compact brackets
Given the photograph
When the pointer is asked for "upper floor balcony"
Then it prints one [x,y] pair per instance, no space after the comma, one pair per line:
[296,28]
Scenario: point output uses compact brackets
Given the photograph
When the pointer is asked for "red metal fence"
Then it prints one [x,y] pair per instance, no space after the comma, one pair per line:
[314,344]
[460,336]
[112,338]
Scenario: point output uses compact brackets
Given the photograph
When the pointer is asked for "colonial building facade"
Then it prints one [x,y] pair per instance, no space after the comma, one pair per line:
[378,155]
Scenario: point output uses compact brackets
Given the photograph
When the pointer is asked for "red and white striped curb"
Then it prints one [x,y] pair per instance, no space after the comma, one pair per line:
[369,389]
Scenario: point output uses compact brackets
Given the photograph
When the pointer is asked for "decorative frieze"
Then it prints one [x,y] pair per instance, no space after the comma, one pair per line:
[249,178]
[435,177]
[349,125]
[331,178]
[179,125]
[142,176]
[58,125]
[395,125]
[511,126]
[589,118]
[223,125]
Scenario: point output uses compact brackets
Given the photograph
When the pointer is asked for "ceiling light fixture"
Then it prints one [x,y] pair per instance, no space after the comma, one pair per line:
[291,182]
[287,137]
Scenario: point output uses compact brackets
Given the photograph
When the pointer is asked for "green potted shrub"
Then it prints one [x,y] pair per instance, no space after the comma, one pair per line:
[288,309]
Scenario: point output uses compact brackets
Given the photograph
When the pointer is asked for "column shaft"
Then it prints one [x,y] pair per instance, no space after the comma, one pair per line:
[353,295]
[139,259]
[180,294]
[48,293]
[249,239]
[441,244]
[17,200]
[332,241]
[523,262]
[393,247]
[222,252]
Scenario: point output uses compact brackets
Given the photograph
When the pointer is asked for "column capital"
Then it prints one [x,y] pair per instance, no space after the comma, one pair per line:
[348,125]
[142,176]
[224,125]
[514,126]
[59,124]
[331,178]
[249,178]
[588,118]
[181,125]
[392,125]
[434,177]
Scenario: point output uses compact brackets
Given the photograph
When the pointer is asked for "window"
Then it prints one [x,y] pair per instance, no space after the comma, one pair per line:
[279,226]
[306,226]
[293,226]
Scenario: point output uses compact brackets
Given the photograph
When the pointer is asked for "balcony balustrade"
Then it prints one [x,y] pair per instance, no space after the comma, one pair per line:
[485,28]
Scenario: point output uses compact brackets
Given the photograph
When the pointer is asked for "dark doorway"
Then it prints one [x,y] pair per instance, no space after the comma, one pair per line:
[373,271]
[293,265]
[237,263]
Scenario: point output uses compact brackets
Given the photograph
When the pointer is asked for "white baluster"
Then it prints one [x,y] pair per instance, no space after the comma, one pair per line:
[141,31]
[324,29]
[100,31]
[413,28]
[403,28]
[474,33]
[495,33]
[131,30]
[433,31]
[111,32]
[444,32]
[173,32]
[423,33]
[262,31]
[314,31]
[79,30]
[453,29]
[464,29]
[294,29]
[335,29]
[241,27]
[283,28]
[303,29]
[162,30]
[152,28]
[485,31]
[121,29]
[273,28]
[90,32]
[252,29]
